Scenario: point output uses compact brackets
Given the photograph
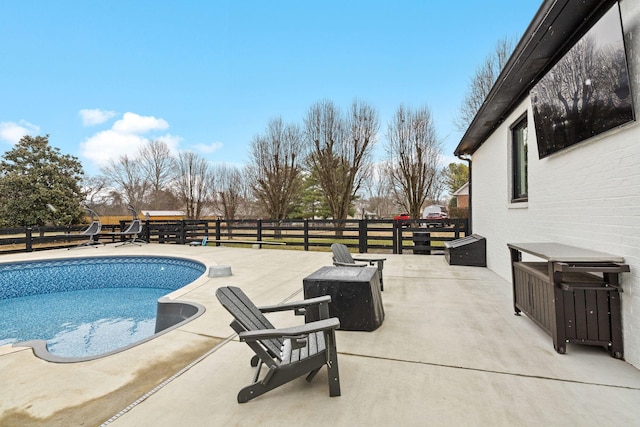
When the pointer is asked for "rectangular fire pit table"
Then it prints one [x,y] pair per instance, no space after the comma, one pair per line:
[355,296]
[574,296]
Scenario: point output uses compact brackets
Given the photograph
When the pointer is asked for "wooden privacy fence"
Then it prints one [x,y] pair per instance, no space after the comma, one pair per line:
[366,235]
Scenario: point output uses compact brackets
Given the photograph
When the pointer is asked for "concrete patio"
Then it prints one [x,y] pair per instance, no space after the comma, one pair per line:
[450,352]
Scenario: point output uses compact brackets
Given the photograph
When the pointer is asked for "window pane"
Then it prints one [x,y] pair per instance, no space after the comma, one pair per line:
[520,148]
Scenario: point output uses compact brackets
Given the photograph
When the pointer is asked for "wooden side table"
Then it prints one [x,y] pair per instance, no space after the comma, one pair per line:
[574,296]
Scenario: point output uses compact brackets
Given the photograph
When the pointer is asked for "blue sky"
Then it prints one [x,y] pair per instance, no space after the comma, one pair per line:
[102,77]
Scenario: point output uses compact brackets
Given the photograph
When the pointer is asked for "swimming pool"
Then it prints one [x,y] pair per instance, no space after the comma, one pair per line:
[85,307]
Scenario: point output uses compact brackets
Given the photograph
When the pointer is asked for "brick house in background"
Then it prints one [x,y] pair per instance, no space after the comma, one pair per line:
[462,196]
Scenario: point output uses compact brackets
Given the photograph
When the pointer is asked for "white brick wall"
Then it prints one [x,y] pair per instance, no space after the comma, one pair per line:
[587,195]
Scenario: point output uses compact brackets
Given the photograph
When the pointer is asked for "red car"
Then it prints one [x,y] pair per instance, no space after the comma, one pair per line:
[401,217]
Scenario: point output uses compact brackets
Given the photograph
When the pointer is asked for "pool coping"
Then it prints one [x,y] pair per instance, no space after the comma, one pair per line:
[40,346]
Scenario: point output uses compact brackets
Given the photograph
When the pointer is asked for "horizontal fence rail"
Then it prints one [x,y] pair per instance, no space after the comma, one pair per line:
[366,235]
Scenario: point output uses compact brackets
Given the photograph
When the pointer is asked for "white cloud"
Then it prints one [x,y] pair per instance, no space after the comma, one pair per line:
[125,137]
[210,148]
[134,123]
[95,116]
[172,141]
[12,132]
[109,145]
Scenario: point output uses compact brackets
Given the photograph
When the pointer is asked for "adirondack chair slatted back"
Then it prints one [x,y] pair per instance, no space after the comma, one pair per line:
[341,253]
[248,315]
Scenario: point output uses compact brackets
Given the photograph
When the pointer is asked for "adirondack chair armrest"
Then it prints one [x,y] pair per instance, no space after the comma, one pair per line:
[371,260]
[298,306]
[348,264]
[293,333]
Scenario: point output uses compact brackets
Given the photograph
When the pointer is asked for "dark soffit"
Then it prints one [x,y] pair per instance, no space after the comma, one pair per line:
[553,30]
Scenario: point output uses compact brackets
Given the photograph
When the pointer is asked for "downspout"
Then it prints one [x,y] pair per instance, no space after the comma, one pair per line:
[468,160]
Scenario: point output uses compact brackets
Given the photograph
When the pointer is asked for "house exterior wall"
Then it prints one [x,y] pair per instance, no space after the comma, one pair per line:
[587,195]
[463,200]
[462,196]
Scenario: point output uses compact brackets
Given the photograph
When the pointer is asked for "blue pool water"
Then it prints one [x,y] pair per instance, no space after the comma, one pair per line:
[87,306]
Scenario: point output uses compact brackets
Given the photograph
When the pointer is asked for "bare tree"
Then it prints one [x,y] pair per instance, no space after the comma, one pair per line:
[230,190]
[274,168]
[249,207]
[482,81]
[413,156]
[128,178]
[192,180]
[340,150]
[377,191]
[102,197]
[157,163]
[96,189]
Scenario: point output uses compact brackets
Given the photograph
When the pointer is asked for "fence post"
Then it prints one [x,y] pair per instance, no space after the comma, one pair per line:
[147,231]
[362,236]
[259,233]
[217,232]
[394,238]
[27,232]
[183,231]
[397,237]
[306,234]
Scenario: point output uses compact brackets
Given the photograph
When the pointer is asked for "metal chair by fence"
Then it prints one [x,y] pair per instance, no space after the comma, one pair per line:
[92,230]
[133,230]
